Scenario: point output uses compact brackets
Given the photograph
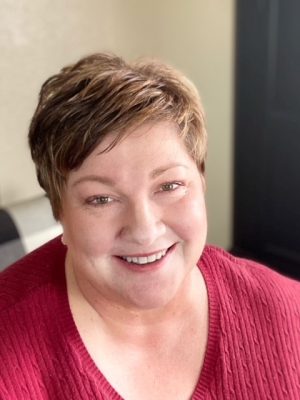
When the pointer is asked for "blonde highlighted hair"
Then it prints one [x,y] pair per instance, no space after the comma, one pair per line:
[101,94]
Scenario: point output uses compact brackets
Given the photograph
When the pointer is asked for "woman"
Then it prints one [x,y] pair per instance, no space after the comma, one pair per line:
[129,303]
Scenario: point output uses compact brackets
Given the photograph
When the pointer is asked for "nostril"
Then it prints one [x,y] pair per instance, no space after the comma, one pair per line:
[144,234]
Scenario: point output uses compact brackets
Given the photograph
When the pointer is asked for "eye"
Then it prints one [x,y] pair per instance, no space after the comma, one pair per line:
[99,200]
[170,186]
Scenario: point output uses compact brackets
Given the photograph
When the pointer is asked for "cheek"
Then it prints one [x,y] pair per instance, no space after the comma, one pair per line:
[88,236]
[189,218]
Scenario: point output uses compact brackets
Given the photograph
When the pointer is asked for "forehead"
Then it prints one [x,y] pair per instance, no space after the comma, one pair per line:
[148,145]
[151,132]
[143,152]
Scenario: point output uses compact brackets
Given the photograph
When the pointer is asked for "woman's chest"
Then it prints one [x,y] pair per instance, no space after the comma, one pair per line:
[163,373]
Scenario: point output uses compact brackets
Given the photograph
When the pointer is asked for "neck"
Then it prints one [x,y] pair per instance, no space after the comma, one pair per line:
[130,324]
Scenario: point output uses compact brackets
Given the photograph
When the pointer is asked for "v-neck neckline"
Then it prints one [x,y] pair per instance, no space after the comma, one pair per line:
[73,338]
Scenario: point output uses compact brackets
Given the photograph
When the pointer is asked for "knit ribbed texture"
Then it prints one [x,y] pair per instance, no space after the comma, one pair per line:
[253,350]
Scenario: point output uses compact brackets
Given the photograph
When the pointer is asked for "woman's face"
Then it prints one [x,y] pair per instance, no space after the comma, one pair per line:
[134,218]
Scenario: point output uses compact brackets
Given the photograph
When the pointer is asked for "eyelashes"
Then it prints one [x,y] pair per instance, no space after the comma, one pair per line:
[105,200]
[170,186]
[102,200]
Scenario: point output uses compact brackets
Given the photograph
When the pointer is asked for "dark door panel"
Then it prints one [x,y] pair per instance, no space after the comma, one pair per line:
[267,133]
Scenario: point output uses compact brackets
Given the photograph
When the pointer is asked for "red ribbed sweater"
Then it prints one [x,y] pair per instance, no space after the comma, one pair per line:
[253,347]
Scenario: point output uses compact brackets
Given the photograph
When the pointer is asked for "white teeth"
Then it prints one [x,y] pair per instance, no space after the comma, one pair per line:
[146,260]
[151,258]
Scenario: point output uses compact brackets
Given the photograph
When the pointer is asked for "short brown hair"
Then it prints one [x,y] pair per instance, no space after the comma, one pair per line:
[101,94]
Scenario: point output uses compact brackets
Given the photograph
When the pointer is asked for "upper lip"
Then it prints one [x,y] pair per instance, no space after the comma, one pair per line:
[145,254]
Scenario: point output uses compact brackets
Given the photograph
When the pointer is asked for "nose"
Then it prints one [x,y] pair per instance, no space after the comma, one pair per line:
[143,224]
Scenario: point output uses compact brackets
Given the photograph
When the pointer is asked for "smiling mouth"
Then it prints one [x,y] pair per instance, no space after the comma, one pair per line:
[146,259]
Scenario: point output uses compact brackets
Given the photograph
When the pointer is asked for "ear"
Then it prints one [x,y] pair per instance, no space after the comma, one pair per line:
[203,180]
[63,240]
[64,235]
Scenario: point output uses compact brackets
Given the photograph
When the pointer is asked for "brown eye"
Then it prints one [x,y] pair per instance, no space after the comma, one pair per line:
[102,200]
[99,200]
[169,186]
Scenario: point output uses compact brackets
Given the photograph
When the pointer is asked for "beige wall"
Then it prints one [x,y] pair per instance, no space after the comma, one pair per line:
[197,36]
[38,37]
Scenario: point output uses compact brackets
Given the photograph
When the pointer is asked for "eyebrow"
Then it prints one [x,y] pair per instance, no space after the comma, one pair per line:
[161,170]
[95,178]
[110,182]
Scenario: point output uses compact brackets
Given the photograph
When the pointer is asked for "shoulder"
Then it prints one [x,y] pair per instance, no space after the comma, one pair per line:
[39,268]
[245,279]
[223,263]
[258,326]
[32,305]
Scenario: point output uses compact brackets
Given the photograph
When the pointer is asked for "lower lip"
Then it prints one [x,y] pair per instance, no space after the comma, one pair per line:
[142,268]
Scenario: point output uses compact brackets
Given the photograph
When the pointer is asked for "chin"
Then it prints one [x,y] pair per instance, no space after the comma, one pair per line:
[153,296]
